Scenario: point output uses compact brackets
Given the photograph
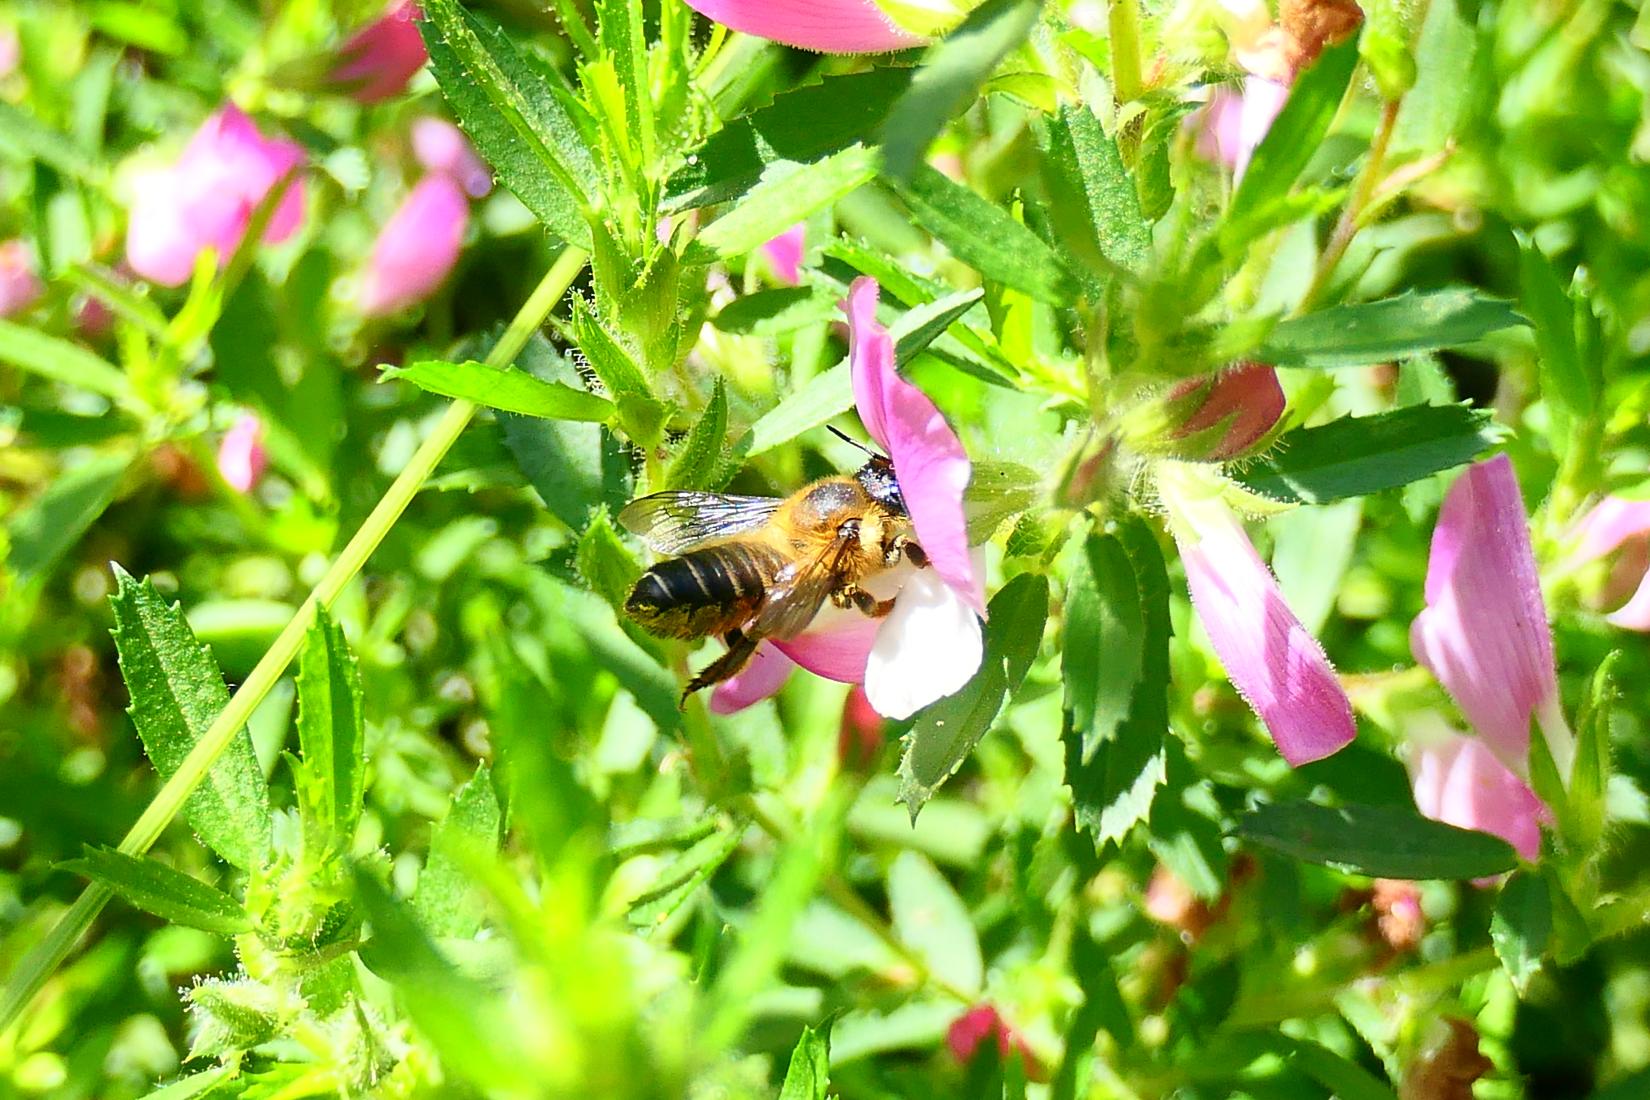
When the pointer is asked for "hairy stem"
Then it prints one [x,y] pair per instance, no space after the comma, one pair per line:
[33,971]
[1123,23]
[1351,219]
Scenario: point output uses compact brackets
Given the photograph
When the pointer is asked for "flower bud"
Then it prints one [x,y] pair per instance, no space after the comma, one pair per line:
[1316,25]
[860,738]
[440,146]
[983,1022]
[378,60]
[417,248]
[1210,419]
[20,287]
[241,456]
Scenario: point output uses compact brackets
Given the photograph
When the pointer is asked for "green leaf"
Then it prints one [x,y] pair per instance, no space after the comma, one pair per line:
[809,1074]
[604,562]
[21,131]
[700,455]
[932,920]
[510,112]
[1522,926]
[1588,789]
[1096,208]
[1293,137]
[1115,661]
[777,311]
[1344,1078]
[1392,328]
[678,882]
[641,414]
[446,902]
[331,730]
[164,891]
[983,235]
[1566,379]
[947,731]
[786,194]
[61,361]
[48,526]
[950,77]
[1357,455]
[799,126]
[1380,841]
[176,692]
[1444,52]
[511,390]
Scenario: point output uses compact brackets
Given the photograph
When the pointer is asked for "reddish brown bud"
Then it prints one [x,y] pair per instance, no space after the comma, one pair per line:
[1317,24]
[981,1022]
[860,739]
[1449,1066]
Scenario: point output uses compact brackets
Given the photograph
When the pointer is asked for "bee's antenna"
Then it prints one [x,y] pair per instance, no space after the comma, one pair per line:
[852,442]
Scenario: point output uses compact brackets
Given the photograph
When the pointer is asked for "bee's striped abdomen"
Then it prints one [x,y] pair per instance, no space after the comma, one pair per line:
[708,591]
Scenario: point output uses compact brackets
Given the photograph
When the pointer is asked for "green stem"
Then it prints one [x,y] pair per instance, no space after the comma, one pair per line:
[1123,20]
[33,971]
[1351,219]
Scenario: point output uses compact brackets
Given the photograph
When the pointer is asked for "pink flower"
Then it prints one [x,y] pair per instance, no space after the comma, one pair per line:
[1614,523]
[829,26]
[241,457]
[784,253]
[382,56]
[983,1022]
[440,146]
[1243,403]
[1274,662]
[930,644]
[1459,781]
[1234,121]
[417,248]
[207,198]
[1484,631]
[20,287]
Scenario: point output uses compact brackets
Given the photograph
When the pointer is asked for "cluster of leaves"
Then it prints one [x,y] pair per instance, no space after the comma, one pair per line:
[504,861]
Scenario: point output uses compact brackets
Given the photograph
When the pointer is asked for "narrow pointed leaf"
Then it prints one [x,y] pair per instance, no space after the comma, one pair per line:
[510,390]
[1097,214]
[700,455]
[809,1074]
[446,902]
[1366,333]
[331,729]
[164,891]
[1381,841]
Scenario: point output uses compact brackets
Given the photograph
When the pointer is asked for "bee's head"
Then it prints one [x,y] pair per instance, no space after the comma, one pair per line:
[877,477]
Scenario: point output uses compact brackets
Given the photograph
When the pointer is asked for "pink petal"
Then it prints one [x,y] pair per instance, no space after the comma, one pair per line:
[1262,100]
[442,147]
[417,248]
[784,252]
[20,287]
[929,461]
[381,57]
[1217,123]
[1484,631]
[830,26]
[764,675]
[241,457]
[836,653]
[1607,525]
[1635,613]
[1274,662]
[1247,398]
[1459,781]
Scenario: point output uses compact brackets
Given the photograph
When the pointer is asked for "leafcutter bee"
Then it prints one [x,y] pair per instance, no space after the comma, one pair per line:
[747,568]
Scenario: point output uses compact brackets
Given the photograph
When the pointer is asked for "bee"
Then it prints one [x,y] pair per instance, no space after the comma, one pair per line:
[746,568]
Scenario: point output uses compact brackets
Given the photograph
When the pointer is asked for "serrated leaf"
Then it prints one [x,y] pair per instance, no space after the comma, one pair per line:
[510,390]
[331,730]
[984,236]
[1097,209]
[799,126]
[1295,134]
[164,891]
[511,114]
[1115,662]
[786,194]
[1392,328]
[605,563]
[947,731]
[950,77]
[700,455]
[1357,455]
[677,883]
[932,921]
[49,526]
[446,902]
[1522,926]
[1566,378]
[177,691]
[1380,841]
[809,1075]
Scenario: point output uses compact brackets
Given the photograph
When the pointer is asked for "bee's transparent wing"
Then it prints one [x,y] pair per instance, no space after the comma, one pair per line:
[676,522]
[795,596]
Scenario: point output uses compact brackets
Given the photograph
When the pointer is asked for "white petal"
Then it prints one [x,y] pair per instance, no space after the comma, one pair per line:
[928,647]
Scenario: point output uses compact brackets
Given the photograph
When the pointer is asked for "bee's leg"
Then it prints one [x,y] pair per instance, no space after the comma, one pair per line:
[905,545]
[740,648]
[868,605]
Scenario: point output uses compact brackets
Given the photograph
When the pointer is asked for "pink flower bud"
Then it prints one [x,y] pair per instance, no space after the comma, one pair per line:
[1225,415]
[829,26]
[20,287]
[983,1022]
[241,457]
[206,199]
[442,147]
[1619,528]
[784,253]
[381,57]
[417,248]
[861,735]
